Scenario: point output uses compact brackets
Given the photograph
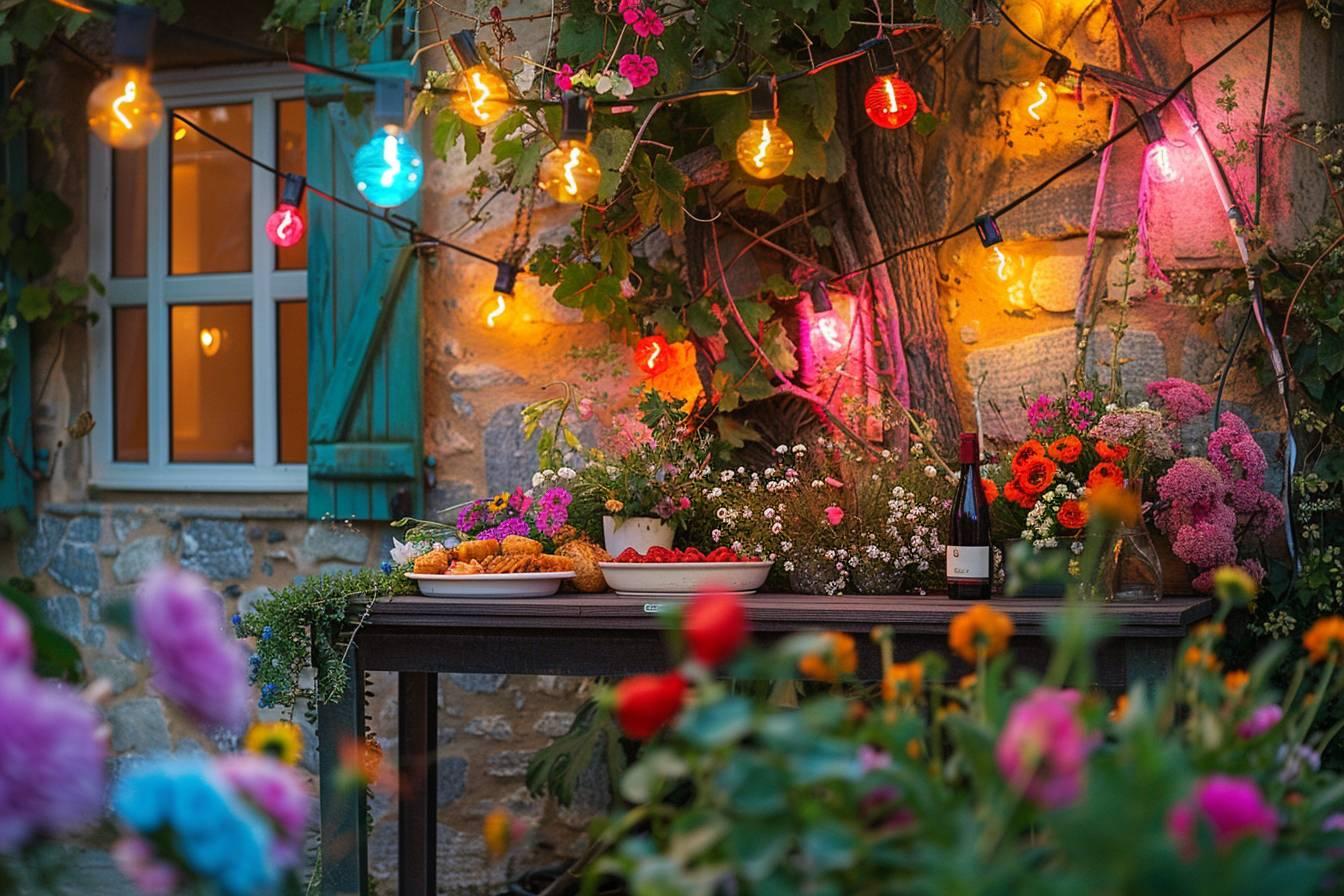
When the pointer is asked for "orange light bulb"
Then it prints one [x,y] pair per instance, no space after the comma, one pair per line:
[764,150]
[124,110]
[570,173]
[480,96]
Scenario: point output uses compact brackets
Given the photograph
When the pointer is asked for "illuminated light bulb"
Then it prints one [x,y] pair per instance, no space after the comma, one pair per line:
[1003,265]
[388,169]
[480,96]
[570,173]
[1040,102]
[124,110]
[764,150]
[890,102]
[1161,162]
[652,355]
[285,226]
[211,340]
[495,309]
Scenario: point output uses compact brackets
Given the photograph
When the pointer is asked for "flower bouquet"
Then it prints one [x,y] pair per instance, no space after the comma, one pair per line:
[518,513]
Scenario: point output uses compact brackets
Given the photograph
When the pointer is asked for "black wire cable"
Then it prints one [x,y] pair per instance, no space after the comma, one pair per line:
[1020,30]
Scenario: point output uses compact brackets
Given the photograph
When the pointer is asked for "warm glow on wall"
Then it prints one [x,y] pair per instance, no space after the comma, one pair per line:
[211,340]
[1008,272]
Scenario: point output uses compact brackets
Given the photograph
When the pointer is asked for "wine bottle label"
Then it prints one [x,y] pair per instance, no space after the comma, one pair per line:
[967,565]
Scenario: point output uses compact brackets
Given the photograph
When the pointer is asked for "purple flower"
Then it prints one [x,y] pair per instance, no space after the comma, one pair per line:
[872,759]
[279,792]
[1232,808]
[1261,719]
[1182,400]
[195,665]
[16,644]
[514,525]
[135,859]
[471,517]
[1043,748]
[51,759]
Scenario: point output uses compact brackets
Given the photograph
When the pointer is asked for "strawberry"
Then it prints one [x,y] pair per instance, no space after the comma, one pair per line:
[692,555]
[722,555]
[630,555]
[659,554]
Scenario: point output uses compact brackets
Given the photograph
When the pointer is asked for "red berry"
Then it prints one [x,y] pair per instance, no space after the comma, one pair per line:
[629,555]
[645,703]
[715,627]
[659,554]
[692,555]
[721,555]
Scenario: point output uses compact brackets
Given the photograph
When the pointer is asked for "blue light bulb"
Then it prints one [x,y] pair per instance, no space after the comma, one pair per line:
[388,169]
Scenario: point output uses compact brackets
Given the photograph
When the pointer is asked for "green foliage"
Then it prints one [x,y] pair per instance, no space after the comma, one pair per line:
[555,770]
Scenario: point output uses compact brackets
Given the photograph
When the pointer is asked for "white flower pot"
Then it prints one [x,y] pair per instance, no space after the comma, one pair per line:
[638,532]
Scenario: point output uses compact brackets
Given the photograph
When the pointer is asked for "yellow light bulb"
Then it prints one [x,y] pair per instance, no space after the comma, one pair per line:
[570,173]
[124,110]
[1039,101]
[211,340]
[495,310]
[764,150]
[480,96]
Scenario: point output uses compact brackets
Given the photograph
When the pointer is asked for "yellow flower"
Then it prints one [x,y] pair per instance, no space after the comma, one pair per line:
[836,659]
[1325,639]
[281,740]
[1199,658]
[1121,708]
[498,502]
[498,831]
[903,681]
[613,506]
[1235,681]
[1210,631]
[980,628]
[1234,585]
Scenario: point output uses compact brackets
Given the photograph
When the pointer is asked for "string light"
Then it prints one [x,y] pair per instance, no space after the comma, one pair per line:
[764,150]
[1039,102]
[497,306]
[124,110]
[652,355]
[890,102]
[285,226]
[570,173]
[388,170]
[1159,158]
[988,230]
[480,96]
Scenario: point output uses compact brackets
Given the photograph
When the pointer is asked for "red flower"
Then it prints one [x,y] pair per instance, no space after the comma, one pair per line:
[1106,473]
[1072,515]
[645,703]
[1013,492]
[1030,449]
[1107,451]
[715,627]
[991,490]
[1066,449]
[1036,475]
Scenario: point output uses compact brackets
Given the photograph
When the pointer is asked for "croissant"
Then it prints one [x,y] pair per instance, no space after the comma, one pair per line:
[477,550]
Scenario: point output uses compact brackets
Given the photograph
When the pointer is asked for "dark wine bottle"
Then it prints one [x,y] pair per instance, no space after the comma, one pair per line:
[970,558]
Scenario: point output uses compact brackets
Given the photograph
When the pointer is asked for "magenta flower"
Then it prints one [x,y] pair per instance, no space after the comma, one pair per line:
[631,10]
[51,759]
[1232,808]
[585,409]
[280,792]
[136,860]
[638,70]
[16,643]
[1260,721]
[564,79]
[196,665]
[649,24]
[1042,414]
[1181,399]
[834,515]
[1043,748]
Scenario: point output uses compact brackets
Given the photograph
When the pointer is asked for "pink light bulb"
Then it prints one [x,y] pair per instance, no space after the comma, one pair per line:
[1161,162]
[285,226]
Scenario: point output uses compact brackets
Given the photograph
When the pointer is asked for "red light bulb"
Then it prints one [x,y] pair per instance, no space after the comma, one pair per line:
[890,102]
[652,355]
[285,226]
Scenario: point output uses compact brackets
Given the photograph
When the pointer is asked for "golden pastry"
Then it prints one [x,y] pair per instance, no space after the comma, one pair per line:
[554,563]
[506,564]
[465,568]
[518,544]
[477,550]
[433,562]
[584,555]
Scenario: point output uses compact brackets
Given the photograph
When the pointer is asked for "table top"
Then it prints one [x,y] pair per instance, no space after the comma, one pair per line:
[1169,617]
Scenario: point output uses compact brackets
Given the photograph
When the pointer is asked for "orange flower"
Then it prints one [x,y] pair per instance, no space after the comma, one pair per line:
[1036,475]
[991,490]
[1066,449]
[1211,631]
[1325,639]
[966,682]
[501,831]
[1107,451]
[1113,503]
[837,659]
[1198,658]
[902,681]
[1030,448]
[979,629]
[1108,473]
[1072,515]
[1121,708]
[1235,681]
[1013,492]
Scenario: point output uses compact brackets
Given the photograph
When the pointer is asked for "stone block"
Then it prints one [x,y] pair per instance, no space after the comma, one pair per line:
[1143,360]
[84,529]
[132,648]
[332,541]
[37,547]
[462,406]
[452,779]
[76,566]
[126,524]
[510,459]
[1201,358]
[252,597]
[139,557]
[117,672]
[1054,277]
[482,376]
[465,865]
[554,724]
[64,614]
[217,549]
[493,727]
[477,683]
[139,726]
[449,493]
[508,764]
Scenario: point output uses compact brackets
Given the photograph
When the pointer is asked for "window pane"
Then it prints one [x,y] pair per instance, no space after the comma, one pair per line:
[292,363]
[211,353]
[291,154]
[130,384]
[129,198]
[211,208]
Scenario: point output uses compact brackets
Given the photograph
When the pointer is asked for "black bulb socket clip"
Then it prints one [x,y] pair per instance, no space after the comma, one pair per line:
[576,115]
[133,34]
[988,230]
[506,275]
[764,96]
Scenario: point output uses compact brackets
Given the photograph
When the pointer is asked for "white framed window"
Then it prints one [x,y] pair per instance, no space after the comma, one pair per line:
[200,350]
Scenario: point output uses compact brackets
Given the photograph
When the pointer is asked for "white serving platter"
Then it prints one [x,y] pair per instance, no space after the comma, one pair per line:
[508,584]
[672,579]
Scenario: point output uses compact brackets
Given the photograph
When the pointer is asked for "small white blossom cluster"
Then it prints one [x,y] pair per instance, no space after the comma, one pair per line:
[1042,523]
[549,478]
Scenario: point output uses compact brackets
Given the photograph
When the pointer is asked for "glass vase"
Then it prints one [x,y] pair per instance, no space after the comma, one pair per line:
[876,576]
[1130,569]
[812,575]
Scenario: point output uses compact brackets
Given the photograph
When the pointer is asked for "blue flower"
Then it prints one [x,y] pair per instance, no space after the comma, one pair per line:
[254,661]
[266,633]
[237,621]
[387,567]
[267,695]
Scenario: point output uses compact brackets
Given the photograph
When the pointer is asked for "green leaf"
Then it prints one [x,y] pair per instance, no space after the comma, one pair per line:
[735,433]
[821,235]
[754,313]
[717,724]
[766,199]
[926,123]
[669,322]
[702,319]
[528,160]
[829,845]
[752,786]
[580,37]
[611,147]
[34,303]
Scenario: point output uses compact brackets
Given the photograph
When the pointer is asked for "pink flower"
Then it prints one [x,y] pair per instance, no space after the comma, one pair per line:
[196,665]
[1043,748]
[631,434]
[684,503]
[585,409]
[16,644]
[833,482]
[638,70]
[564,79]
[279,792]
[1205,544]
[872,759]
[1182,400]
[631,10]
[649,24]
[1333,822]
[1260,721]
[1232,808]
[834,515]
[135,859]
[1041,415]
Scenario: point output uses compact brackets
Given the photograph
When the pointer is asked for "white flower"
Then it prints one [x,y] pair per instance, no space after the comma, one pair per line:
[566,473]
[537,479]
[716,534]
[788,566]
[930,471]
[405,553]
[781,449]
[768,513]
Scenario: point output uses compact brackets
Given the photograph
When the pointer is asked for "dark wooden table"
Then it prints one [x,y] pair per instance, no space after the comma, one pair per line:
[605,634]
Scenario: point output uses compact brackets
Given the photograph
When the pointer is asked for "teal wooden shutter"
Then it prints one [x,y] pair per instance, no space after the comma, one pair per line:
[16,486]
[364,420]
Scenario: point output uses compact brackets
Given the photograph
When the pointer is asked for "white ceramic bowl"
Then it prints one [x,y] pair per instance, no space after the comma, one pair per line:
[662,579]
[512,584]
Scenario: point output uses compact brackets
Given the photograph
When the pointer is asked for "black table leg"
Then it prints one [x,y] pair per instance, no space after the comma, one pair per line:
[417,766]
[345,869]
